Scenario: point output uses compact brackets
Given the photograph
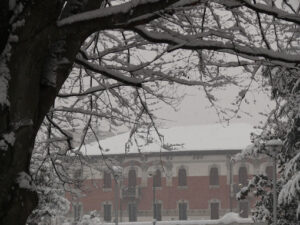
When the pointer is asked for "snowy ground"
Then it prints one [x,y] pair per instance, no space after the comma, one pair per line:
[190,222]
[229,218]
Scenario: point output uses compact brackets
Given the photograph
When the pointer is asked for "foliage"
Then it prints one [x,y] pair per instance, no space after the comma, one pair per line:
[282,124]
[44,180]
[89,219]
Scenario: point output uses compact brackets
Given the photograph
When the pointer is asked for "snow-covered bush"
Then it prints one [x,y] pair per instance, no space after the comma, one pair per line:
[282,124]
[90,219]
[50,189]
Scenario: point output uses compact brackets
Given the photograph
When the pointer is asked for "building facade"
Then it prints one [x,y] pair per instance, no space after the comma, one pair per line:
[172,185]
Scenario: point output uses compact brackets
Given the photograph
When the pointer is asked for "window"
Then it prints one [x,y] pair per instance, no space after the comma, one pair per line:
[182,211]
[132,178]
[132,212]
[107,212]
[77,211]
[214,210]
[269,172]
[182,177]
[243,208]
[214,176]
[157,179]
[243,176]
[157,211]
[106,180]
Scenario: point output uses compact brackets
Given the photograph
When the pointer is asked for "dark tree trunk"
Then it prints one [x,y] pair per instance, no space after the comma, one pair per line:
[40,45]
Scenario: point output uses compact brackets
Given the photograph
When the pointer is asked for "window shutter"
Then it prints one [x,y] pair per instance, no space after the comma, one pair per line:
[243,207]
[182,177]
[157,179]
[214,210]
[77,211]
[269,172]
[106,180]
[132,211]
[107,213]
[243,176]
[182,211]
[214,176]
[157,211]
[132,178]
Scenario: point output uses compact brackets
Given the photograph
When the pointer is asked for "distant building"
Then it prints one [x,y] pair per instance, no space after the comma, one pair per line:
[196,181]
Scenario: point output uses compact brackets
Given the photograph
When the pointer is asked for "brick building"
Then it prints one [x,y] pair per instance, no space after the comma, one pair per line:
[198,180]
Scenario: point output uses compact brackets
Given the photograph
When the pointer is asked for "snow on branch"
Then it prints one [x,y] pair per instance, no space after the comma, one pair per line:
[88,112]
[163,76]
[291,167]
[266,9]
[249,152]
[128,10]
[103,12]
[79,110]
[227,47]
[113,74]
[24,181]
[290,191]
[91,90]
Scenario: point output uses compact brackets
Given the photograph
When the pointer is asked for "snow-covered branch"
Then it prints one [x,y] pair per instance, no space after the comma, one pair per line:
[131,13]
[228,47]
[271,10]
[113,74]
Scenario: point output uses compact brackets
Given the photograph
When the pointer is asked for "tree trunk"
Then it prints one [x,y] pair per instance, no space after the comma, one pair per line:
[39,64]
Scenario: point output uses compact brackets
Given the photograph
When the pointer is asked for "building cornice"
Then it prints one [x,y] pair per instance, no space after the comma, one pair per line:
[173,153]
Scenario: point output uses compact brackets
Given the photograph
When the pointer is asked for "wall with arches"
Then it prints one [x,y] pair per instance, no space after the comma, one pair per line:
[199,194]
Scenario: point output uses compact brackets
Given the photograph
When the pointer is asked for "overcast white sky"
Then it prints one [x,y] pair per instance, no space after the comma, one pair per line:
[195,109]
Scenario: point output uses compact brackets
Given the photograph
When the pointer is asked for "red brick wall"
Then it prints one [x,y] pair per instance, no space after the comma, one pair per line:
[198,193]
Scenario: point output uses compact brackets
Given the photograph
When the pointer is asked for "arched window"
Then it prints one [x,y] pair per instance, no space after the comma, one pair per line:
[182,177]
[157,179]
[106,180]
[214,176]
[132,178]
[269,172]
[243,176]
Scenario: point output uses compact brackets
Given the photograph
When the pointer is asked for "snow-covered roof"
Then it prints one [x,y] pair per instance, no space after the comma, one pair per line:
[235,136]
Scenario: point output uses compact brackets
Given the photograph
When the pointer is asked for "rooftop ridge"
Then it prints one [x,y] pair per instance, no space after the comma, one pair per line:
[207,137]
